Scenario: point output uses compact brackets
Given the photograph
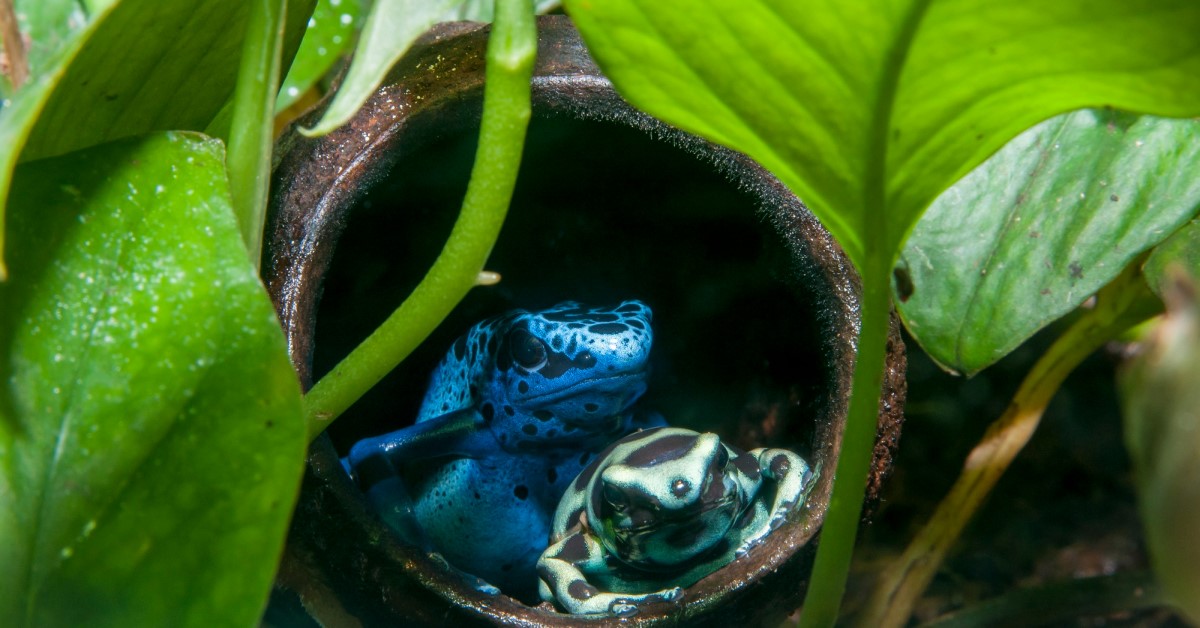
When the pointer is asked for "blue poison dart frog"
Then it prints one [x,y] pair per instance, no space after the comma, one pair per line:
[659,510]
[515,410]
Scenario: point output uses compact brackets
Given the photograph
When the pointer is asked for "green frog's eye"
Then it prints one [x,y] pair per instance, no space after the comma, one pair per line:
[722,458]
[616,497]
[526,350]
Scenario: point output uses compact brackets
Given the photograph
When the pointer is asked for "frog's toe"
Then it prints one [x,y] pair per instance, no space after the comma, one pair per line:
[672,595]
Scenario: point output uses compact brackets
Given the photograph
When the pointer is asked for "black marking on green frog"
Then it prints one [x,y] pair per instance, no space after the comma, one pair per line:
[659,510]
[513,412]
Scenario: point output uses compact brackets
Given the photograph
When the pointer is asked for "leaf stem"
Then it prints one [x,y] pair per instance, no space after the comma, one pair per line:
[827,583]
[1120,305]
[250,137]
[512,47]
[828,580]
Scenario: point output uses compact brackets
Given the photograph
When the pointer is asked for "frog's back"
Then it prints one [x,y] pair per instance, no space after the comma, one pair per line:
[455,383]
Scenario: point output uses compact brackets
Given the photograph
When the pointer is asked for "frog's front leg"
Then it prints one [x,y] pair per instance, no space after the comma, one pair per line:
[389,497]
[562,572]
[461,433]
[793,478]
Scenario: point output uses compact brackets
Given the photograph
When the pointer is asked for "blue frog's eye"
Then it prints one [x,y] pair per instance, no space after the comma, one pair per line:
[526,350]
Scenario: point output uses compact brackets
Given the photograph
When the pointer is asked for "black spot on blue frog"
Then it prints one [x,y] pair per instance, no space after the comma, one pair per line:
[514,411]
[659,510]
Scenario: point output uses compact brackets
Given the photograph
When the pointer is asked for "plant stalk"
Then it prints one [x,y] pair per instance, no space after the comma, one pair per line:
[827,583]
[248,161]
[512,47]
[1120,305]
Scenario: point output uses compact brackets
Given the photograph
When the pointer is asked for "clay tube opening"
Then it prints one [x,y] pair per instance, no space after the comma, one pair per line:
[755,309]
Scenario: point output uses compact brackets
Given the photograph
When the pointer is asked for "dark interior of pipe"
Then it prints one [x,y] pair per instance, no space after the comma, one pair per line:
[601,213]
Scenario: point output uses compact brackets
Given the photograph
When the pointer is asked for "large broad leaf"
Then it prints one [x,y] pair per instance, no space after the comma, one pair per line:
[137,66]
[149,65]
[1042,225]
[150,432]
[867,109]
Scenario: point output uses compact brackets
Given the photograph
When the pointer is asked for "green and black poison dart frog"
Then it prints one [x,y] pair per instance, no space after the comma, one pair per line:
[517,407]
[659,510]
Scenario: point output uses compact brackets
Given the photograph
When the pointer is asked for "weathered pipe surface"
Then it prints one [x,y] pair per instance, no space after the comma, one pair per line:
[345,567]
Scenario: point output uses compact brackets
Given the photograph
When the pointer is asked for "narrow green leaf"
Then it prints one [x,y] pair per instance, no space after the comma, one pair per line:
[251,135]
[330,33]
[1160,399]
[390,30]
[482,10]
[1039,227]
[150,433]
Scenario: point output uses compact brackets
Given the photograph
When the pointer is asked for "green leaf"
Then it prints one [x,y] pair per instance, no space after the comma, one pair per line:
[1160,399]
[483,10]
[135,72]
[150,433]
[867,110]
[138,66]
[1040,227]
[390,30]
[330,32]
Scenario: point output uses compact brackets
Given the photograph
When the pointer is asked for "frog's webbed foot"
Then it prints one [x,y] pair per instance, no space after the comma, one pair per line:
[581,598]
[562,580]
[626,605]
[794,479]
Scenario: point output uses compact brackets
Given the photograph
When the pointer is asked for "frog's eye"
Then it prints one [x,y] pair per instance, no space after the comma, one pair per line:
[616,497]
[526,350]
[722,458]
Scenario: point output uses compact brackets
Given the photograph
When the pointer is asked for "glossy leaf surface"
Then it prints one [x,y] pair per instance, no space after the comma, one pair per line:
[100,85]
[1040,227]
[869,110]
[390,29]
[329,34]
[150,432]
